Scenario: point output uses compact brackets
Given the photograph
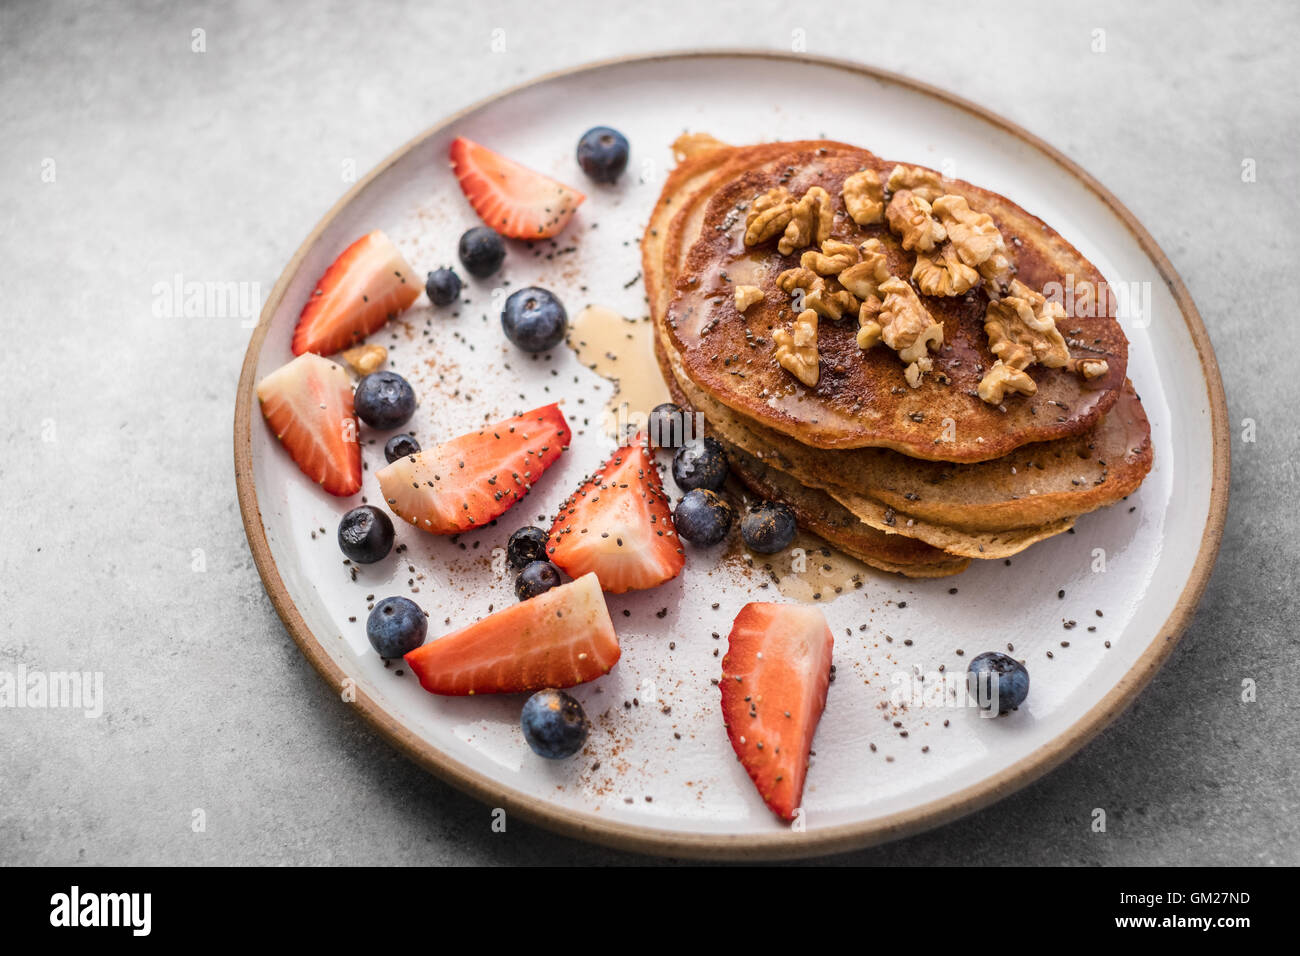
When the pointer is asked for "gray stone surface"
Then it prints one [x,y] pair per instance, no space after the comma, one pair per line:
[115,452]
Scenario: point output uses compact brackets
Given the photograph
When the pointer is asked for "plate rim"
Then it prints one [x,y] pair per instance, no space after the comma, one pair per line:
[780,844]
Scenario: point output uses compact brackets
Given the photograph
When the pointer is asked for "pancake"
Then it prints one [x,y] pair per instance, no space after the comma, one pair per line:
[989,509]
[861,398]
[823,516]
[1034,485]
[811,500]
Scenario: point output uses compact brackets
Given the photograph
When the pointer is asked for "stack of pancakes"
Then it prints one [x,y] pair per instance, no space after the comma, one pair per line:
[914,480]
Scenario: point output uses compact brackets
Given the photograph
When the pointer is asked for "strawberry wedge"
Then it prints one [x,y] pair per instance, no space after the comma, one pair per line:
[560,638]
[308,405]
[512,199]
[366,285]
[463,484]
[774,682]
[618,526]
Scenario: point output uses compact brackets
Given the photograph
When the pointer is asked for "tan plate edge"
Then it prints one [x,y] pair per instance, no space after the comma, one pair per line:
[588,826]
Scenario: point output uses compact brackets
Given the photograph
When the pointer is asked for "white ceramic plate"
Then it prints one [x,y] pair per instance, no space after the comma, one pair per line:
[667,780]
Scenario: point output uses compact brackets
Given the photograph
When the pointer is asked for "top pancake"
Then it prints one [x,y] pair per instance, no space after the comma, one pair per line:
[861,398]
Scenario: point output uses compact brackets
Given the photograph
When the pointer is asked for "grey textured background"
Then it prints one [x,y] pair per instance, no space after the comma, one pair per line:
[215,166]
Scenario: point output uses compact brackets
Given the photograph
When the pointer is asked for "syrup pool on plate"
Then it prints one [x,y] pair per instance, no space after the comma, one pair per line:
[621,350]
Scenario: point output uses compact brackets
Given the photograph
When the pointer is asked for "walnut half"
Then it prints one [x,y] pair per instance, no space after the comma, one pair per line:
[864,197]
[1022,332]
[799,223]
[924,182]
[796,352]
[1002,378]
[904,325]
[976,238]
[944,273]
[909,218]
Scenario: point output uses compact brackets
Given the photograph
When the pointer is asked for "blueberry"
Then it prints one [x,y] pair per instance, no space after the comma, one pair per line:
[534,320]
[400,446]
[366,534]
[385,400]
[700,464]
[702,517]
[481,252]
[995,678]
[536,578]
[769,527]
[525,546]
[667,426]
[602,153]
[554,724]
[442,287]
[396,626]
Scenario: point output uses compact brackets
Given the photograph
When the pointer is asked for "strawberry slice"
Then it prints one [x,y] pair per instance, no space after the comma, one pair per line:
[774,681]
[618,525]
[463,484]
[308,404]
[512,199]
[560,638]
[366,285]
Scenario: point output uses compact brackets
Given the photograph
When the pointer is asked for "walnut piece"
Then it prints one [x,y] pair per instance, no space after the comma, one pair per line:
[810,221]
[863,279]
[831,303]
[365,359]
[944,273]
[1091,368]
[797,278]
[864,197]
[799,223]
[977,239]
[747,295]
[904,325]
[797,352]
[813,284]
[768,216]
[1022,332]
[1002,378]
[833,258]
[924,182]
[1022,329]
[909,217]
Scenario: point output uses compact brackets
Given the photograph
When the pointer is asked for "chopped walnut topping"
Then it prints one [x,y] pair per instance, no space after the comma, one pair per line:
[864,278]
[1022,329]
[1092,368]
[904,325]
[831,303]
[815,276]
[909,217]
[797,352]
[1002,378]
[1022,332]
[810,221]
[945,273]
[768,215]
[797,278]
[868,328]
[747,295]
[833,258]
[800,223]
[864,197]
[365,359]
[977,239]
[924,182]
